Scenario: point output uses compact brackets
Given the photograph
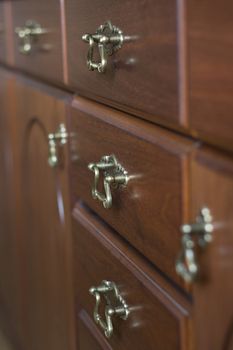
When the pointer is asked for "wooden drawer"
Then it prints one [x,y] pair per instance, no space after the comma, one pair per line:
[45,57]
[158,319]
[212,186]
[150,209]
[211,70]
[144,75]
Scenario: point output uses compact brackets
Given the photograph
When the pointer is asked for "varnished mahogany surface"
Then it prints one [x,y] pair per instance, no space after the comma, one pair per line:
[210,46]
[43,226]
[89,336]
[10,305]
[150,209]
[159,318]
[212,185]
[144,76]
[45,60]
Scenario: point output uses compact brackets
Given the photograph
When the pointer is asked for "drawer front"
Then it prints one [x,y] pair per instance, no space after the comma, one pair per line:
[44,58]
[149,210]
[212,185]
[142,76]
[157,319]
[211,72]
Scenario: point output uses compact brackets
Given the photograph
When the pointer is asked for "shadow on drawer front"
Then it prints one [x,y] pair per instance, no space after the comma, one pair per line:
[143,185]
[157,318]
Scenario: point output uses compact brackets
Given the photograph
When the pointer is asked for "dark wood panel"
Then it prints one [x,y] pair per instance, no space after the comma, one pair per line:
[144,76]
[45,60]
[211,72]
[44,220]
[159,318]
[10,303]
[212,185]
[150,209]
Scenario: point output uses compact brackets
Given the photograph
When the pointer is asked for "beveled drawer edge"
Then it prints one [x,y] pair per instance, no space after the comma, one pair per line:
[165,139]
[183,63]
[91,326]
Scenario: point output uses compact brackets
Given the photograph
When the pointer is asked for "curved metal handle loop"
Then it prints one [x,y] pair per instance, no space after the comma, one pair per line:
[100,66]
[114,174]
[186,264]
[108,39]
[120,308]
[27,35]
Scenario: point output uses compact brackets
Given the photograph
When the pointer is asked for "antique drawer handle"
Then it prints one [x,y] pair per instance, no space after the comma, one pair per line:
[108,38]
[55,140]
[114,174]
[186,264]
[110,293]
[28,35]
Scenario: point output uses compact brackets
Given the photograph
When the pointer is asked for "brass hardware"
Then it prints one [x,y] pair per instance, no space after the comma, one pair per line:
[114,174]
[186,265]
[28,35]
[108,39]
[59,138]
[111,294]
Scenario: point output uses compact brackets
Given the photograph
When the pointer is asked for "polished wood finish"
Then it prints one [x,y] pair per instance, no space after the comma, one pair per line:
[157,320]
[150,210]
[210,43]
[212,185]
[44,220]
[143,76]
[89,337]
[10,305]
[45,60]
[175,70]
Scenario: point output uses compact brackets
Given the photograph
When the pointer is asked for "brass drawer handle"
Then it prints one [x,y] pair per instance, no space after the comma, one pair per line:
[28,35]
[186,264]
[56,140]
[110,293]
[108,38]
[114,174]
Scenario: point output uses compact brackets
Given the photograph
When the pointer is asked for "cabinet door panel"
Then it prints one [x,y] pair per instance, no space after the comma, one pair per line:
[45,241]
[9,259]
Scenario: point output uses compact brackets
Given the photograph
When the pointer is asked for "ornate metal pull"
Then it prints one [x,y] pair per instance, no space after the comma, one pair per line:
[110,293]
[114,174]
[186,265]
[59,138]
[28,35]
[108,39]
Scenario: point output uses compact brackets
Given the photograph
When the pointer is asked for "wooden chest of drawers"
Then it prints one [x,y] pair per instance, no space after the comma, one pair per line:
[116,175]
